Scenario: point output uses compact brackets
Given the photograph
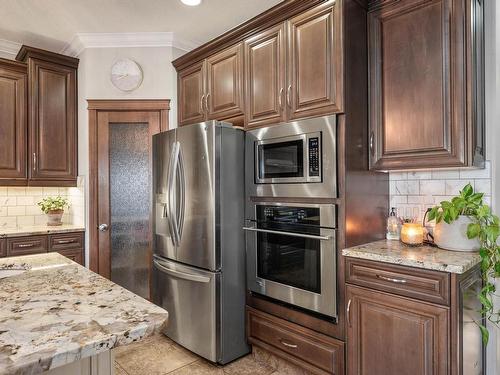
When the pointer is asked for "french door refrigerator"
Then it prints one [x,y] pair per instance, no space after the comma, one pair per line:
[198,272]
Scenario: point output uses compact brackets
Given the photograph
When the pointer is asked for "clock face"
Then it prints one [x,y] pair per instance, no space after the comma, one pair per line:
[126,75]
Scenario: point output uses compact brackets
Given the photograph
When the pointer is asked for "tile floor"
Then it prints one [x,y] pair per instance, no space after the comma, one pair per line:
[159,355]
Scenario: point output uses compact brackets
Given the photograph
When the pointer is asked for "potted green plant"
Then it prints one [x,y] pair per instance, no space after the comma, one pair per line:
[484,227]
[53,207]
[452,219]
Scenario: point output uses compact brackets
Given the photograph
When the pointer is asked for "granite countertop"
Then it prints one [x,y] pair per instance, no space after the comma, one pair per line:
[57,312]
[39,229]
[431,258]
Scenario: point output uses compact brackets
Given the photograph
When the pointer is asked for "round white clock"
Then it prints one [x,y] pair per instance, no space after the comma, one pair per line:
[126,75]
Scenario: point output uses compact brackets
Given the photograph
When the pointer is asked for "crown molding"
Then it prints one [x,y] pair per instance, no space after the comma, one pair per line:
[81,41]
[9,48]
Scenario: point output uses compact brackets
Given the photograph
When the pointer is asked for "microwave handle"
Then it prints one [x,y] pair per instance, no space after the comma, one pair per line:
[302,235]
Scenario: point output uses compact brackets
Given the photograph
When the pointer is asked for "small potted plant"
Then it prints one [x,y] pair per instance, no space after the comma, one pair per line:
[483,227]
[53,207]
[453,218]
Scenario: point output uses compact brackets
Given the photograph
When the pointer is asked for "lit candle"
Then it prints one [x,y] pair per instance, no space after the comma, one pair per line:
[412,234]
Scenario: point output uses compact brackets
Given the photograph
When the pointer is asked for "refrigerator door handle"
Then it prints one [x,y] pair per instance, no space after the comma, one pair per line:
[181,275]
[171,194]
[182,193]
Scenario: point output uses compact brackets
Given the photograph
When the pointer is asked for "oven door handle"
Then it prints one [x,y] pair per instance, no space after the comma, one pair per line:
[302,235]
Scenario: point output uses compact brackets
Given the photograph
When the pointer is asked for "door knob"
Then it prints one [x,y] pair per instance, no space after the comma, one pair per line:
[103,227]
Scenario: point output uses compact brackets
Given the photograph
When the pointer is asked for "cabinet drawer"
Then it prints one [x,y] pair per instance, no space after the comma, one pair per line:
[74,255]
[317,353]
[26,245]
[3,247]
[425,285]
[66,241]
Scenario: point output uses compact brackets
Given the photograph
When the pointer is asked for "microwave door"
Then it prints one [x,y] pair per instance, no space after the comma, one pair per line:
[163,239]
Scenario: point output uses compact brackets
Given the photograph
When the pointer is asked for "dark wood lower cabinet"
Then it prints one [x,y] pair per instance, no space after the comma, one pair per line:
[388,334]
[71,245]
[313,351]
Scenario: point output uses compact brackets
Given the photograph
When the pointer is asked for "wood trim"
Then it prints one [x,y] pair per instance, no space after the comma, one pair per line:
[129,105]
[18,66]
[101,111]
[27,52]
[273,16]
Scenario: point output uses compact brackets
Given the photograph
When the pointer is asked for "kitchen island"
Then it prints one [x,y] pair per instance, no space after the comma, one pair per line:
[60,317]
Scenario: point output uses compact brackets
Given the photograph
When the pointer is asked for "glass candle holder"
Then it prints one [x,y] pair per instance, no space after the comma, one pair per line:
[412,234]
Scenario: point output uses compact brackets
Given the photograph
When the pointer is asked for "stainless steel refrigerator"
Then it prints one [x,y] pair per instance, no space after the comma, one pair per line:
[198,272]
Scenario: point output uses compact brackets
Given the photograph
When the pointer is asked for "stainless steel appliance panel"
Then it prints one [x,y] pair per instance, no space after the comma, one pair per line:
[311,187]
[190,297]
[195,181]
[163,148]
[320,298]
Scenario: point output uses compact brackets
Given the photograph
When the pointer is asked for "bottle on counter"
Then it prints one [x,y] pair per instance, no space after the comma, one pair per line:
[392,225]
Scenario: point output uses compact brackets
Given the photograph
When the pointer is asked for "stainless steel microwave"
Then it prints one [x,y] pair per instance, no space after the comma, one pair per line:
[295,159]
[290,159]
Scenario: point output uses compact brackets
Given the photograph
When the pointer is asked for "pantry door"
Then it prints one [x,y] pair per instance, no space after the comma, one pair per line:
[120,196]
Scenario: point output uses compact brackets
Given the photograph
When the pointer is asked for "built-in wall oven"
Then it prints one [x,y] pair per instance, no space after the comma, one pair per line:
[291,254]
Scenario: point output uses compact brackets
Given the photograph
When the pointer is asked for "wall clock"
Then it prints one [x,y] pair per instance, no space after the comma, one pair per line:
[126,75]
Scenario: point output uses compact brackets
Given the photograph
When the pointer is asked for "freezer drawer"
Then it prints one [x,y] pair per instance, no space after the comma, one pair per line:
[190,297]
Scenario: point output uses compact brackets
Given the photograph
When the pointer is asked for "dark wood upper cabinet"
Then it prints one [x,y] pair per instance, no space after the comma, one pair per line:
[225,83]
[191,83]
[52,117]
[212,89]
[13,122]
[265,59]
[315,62]
[387,334]
[426,84]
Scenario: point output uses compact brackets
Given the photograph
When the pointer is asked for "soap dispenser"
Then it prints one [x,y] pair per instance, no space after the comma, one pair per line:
[392,225]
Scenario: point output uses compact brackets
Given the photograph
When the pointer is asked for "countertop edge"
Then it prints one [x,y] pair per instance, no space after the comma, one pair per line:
[41,231]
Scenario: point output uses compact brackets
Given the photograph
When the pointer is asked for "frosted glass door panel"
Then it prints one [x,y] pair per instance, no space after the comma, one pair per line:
[130,202]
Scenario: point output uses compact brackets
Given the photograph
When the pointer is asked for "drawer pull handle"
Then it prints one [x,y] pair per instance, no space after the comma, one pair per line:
[26,245]
[397,281]
[288,345]
[65,241]
[349,313]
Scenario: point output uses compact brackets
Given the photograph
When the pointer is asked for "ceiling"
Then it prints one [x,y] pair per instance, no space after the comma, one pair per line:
[51,24]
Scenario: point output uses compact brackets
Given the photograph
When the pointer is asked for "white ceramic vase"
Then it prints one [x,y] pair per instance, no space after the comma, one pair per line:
[454,236]
[54,218]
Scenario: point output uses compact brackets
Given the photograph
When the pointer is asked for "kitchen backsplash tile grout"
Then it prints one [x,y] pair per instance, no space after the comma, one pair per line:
[413,192]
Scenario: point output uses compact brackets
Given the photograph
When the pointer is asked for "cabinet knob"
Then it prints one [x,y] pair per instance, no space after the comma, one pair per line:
[206,103]
[280,98]
[349,313]
[202,103]
[288,96]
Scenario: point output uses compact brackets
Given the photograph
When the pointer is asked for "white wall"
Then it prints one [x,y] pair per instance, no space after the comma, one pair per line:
[160,82]
[492,36]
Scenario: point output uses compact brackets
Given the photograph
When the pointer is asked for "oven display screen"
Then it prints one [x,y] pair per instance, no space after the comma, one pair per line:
[286,259]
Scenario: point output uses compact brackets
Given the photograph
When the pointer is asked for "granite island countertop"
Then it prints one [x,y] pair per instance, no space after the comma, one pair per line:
[57,312]
[32,230]
[427,257]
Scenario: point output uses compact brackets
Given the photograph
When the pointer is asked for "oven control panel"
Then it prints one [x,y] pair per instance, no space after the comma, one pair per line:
[314,157]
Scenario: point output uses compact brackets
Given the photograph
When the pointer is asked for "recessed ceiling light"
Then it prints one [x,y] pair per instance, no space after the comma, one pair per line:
[191,3]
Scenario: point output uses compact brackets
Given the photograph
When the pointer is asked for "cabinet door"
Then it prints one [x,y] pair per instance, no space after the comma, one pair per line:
[191,94]
[315,62]
[225,83]
[265,77]
[420,114]
[387,334]
[53,123]
[13,123]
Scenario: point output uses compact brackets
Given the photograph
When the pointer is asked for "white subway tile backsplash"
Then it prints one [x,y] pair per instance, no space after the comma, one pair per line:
[419,175]
[18,205]
[453,187]
[15,191]
[483,186]
[432,187]
[445,175]
[414,191]
[477,173]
